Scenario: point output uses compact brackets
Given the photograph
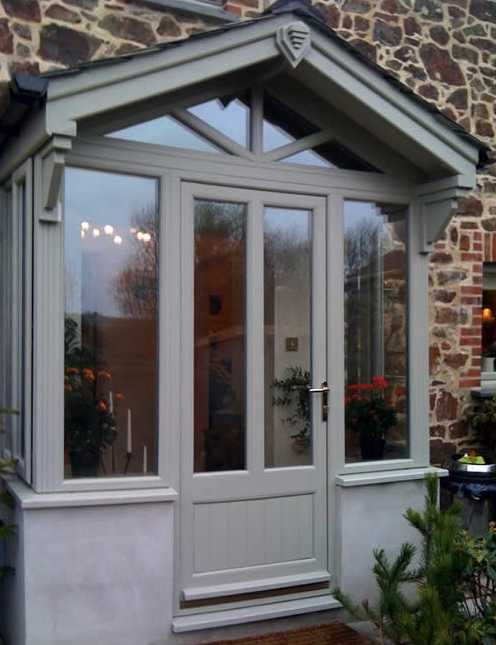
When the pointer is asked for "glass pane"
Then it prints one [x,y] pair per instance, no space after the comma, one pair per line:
[20,341]
[111,331]
[282,125]
[229,116]
[375,331]
[220,336]
[488,322]
[308,158]
[287,325]
[165,131]
[7,320]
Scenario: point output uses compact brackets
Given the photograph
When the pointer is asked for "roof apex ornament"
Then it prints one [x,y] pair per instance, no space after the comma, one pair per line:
[294,41]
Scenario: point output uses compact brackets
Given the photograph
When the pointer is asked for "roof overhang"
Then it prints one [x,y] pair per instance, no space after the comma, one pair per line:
[295,41]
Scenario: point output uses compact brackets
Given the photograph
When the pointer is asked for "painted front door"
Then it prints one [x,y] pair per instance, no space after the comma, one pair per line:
[253,435]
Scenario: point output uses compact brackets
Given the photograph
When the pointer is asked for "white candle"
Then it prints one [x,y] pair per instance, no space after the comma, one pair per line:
[129,433]
[145,459]
[111,402]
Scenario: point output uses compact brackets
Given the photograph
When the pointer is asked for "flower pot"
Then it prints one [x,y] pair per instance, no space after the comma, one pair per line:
[372,448]
[84,463]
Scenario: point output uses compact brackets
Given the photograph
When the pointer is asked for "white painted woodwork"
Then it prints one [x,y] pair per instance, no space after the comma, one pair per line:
[259,523]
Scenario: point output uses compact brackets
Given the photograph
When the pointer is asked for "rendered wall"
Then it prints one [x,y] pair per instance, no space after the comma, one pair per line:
[367,518]
[94,575]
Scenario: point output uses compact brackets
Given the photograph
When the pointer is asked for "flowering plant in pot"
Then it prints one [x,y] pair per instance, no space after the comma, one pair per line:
[90,425]
[369,413]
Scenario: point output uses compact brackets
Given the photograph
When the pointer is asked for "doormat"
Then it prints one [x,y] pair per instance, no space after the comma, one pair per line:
[331,634]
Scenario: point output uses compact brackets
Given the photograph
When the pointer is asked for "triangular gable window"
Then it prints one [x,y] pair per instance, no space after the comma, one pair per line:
[165,131]
[281,125]
[223,125]
[230,116]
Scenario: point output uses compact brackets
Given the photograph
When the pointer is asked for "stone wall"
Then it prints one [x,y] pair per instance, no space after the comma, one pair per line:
[444,50]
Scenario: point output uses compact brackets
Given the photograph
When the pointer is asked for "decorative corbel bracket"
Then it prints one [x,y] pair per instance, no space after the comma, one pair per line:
[437,202]
[294,41]
[52,161]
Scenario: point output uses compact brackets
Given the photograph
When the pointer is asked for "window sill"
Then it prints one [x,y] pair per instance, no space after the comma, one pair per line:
[389,477]
[29,500]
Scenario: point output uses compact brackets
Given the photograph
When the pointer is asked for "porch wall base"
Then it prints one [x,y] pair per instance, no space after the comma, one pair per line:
[91,574]
[370,517]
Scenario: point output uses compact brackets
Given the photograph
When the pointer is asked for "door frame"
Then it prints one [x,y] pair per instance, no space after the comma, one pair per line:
[172,166]
[257,481]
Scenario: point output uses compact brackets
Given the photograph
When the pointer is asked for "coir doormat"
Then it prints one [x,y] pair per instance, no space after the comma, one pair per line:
[332,634]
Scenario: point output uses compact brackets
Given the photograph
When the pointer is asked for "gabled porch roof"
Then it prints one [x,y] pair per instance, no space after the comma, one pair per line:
[253,50]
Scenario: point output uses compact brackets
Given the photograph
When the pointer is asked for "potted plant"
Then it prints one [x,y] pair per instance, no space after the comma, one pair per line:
[370,414]
[293,394]
[482,418]
[90,425]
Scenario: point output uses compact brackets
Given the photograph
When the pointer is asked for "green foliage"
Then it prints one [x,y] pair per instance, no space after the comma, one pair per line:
[482,418]
[7,467]
[454,603]
[292,393]
[367,409]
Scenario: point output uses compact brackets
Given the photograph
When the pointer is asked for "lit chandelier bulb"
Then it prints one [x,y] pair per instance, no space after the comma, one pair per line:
[96,232]
[85,226]
[117,239]
[146,237]
[108,229]
[139,235]
[83,234]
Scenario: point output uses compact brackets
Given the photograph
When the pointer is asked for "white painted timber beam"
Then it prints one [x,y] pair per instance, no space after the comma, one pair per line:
[52,159]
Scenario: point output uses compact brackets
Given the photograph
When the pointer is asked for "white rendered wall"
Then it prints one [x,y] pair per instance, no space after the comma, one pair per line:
[98,575]
[367,518]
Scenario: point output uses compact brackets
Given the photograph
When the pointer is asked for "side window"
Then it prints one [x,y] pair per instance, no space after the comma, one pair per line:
[488,366]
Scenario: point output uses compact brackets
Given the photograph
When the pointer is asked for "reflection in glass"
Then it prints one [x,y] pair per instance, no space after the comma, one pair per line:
[282,125]
[165,131]
[229,116]
[308,158]
[375,331]
[287,320]
[220,335]
[111,332]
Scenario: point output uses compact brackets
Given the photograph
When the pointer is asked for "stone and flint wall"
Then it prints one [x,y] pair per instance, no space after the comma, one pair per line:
[444,50]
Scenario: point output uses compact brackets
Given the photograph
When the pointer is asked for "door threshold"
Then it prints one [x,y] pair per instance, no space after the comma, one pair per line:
[253,586]
[210,620]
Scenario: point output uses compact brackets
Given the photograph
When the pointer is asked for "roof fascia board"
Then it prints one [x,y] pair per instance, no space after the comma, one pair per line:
[177,53]
[197,8]
[94,90]
[378,94]
[32,136]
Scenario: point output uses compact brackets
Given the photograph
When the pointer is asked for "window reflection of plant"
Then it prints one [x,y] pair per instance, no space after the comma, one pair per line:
[292,394]
[89,424]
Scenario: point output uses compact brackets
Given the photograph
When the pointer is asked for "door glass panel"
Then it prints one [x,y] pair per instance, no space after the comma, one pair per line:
[287,336]
[165,131]
[231,116]
[375,331]
[219,335]
[111,330]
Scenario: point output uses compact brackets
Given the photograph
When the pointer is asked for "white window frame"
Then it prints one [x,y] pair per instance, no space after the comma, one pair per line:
[18,331]
[170,166]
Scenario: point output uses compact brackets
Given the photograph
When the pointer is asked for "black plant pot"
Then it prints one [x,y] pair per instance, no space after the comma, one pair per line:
[84,463]
[372,447]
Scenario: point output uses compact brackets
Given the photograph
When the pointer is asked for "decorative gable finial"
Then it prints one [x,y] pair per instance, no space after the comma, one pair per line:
[294,41]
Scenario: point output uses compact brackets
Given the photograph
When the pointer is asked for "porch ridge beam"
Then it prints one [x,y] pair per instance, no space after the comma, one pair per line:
[210,133]
[307,142]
